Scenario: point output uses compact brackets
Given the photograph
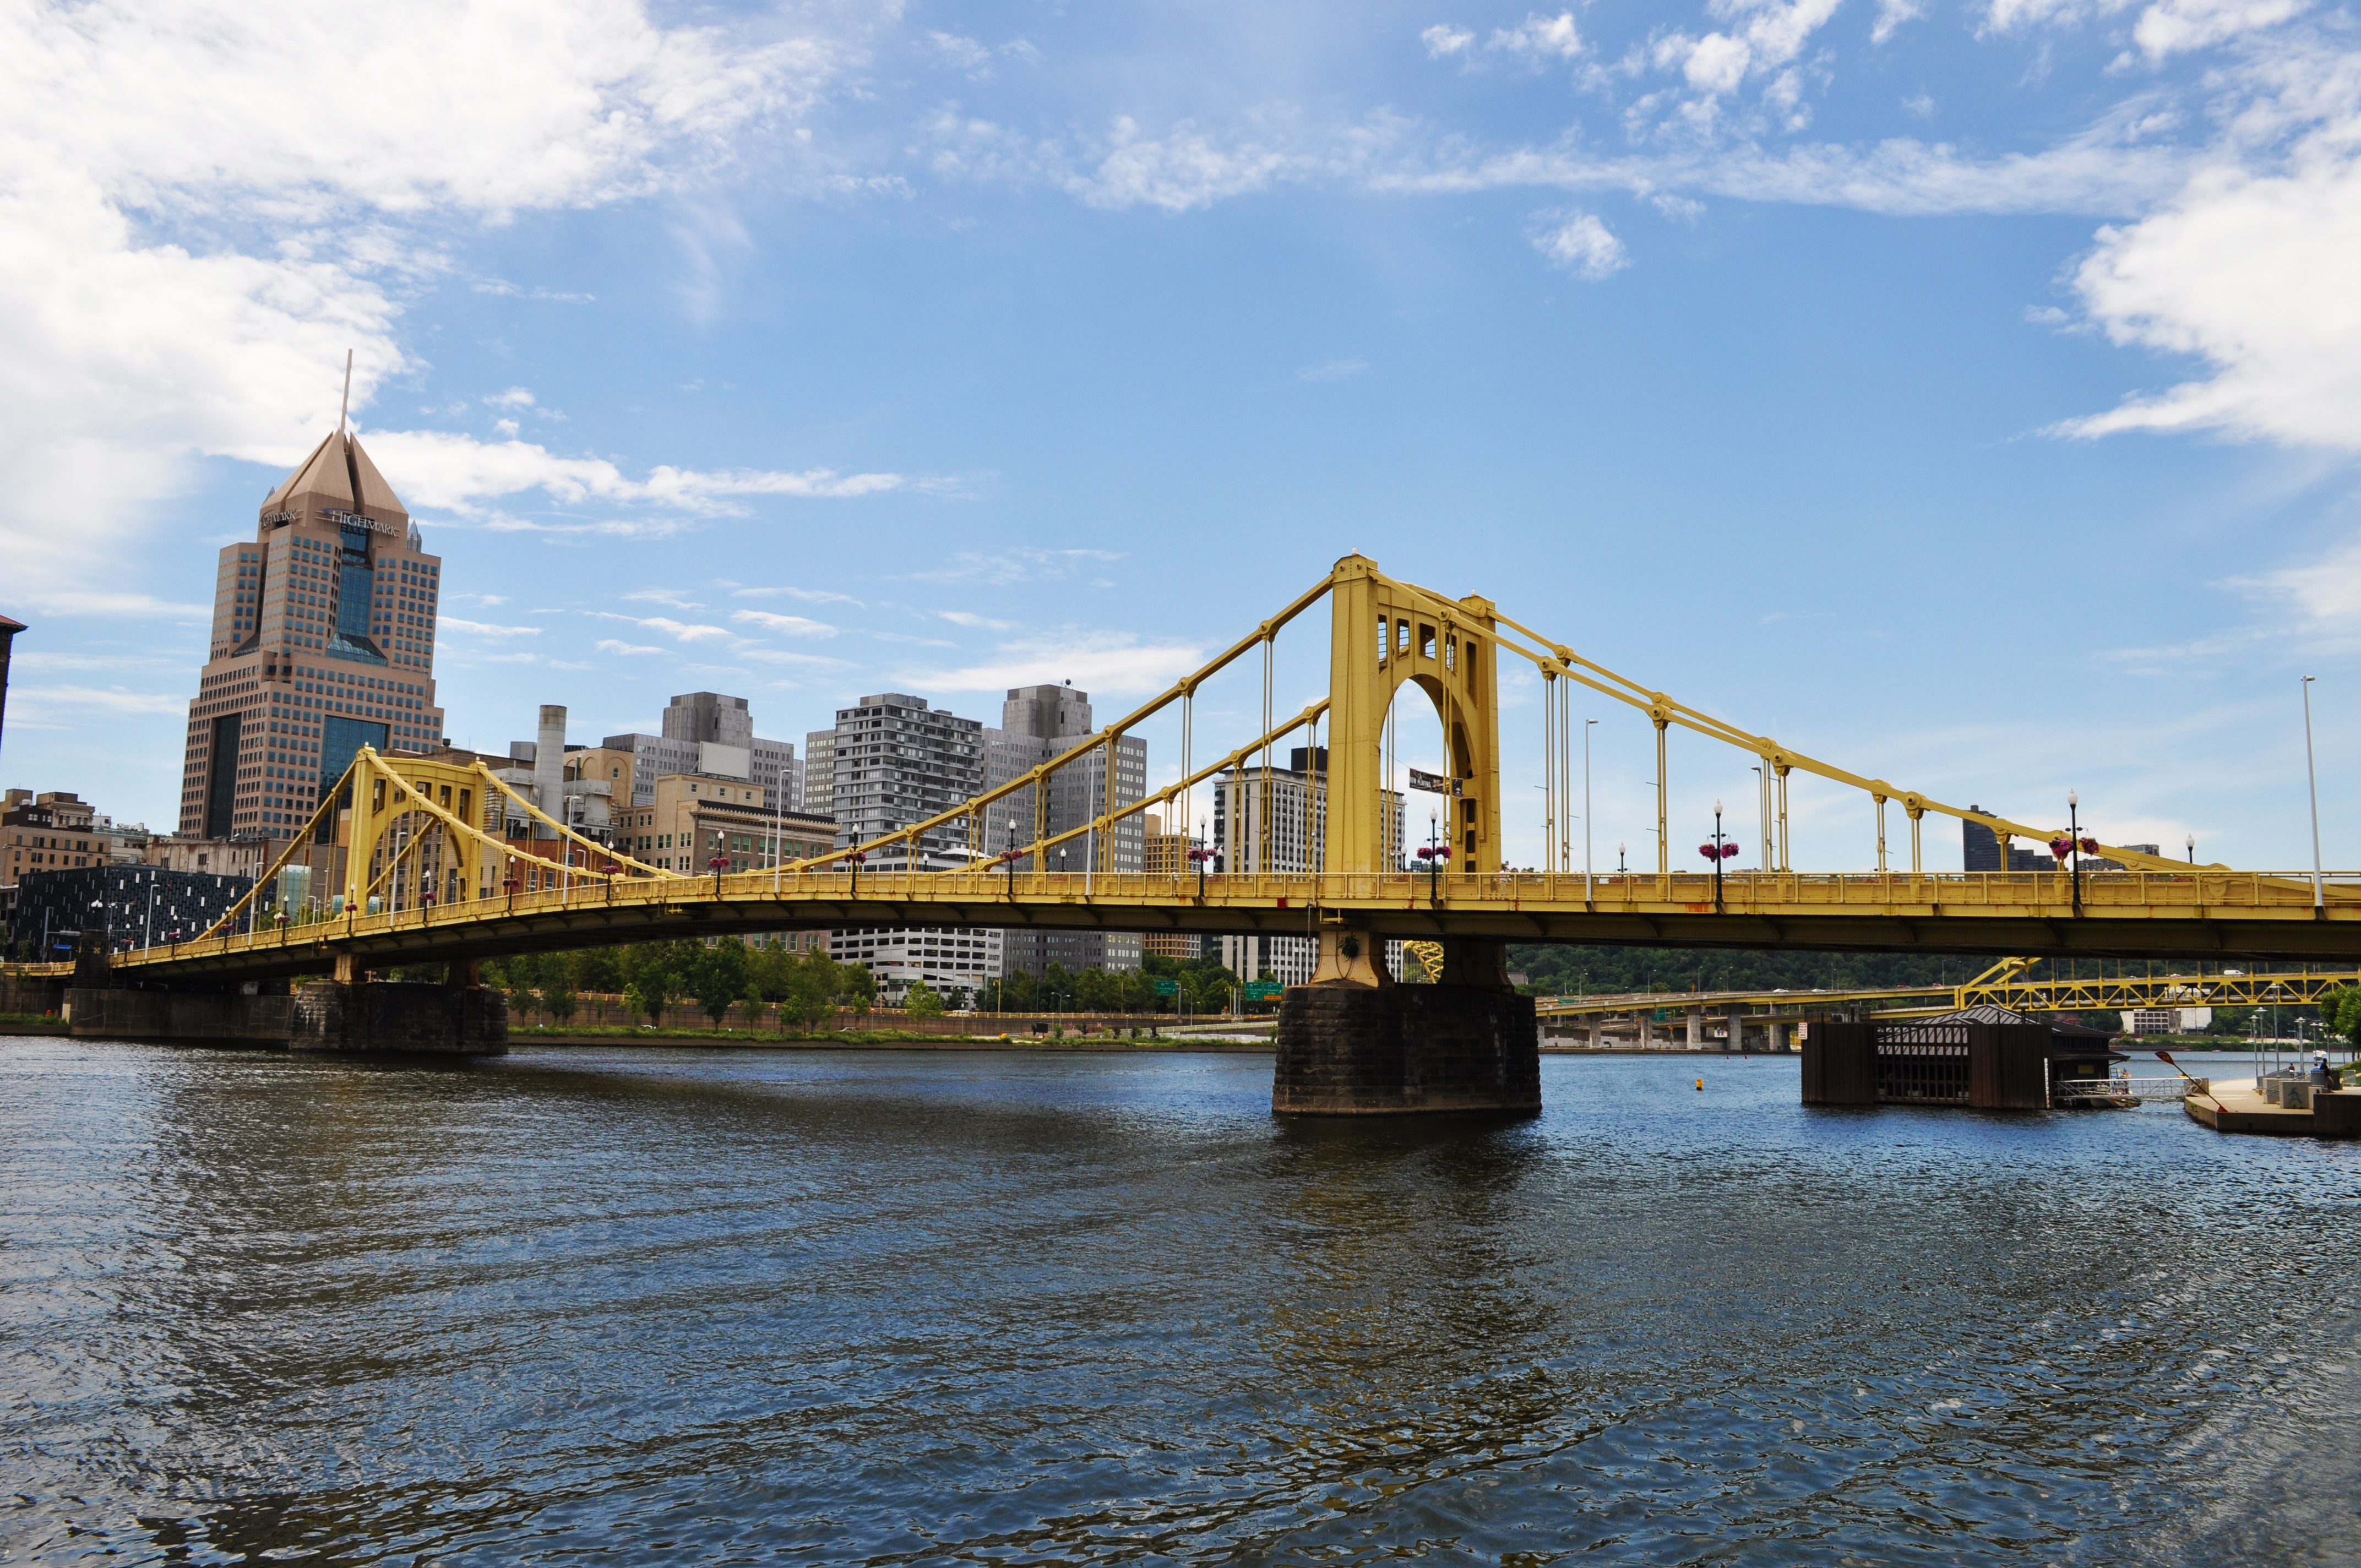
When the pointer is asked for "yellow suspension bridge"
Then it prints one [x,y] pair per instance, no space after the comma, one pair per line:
[427,874]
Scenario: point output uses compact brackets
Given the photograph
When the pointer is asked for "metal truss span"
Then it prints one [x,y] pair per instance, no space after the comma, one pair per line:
[2124,915]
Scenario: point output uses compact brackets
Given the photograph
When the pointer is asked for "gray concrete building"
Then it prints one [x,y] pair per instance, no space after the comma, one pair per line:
[894,761]
[713,734]
[820,773]
[1277,819]
[1036,724]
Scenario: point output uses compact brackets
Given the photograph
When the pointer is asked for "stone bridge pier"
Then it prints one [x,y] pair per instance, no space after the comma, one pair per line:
[1352,1043]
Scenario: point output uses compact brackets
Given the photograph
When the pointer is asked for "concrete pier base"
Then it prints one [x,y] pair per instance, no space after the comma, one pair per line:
[409,1020]
[322,1016]
[1359,1050]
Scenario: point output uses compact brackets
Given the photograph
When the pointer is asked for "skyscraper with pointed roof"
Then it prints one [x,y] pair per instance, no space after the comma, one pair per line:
[322,642]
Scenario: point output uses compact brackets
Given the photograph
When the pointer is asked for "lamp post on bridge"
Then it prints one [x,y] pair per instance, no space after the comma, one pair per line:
[2311,777]
[1434,853]
[717,864]
[1717,852]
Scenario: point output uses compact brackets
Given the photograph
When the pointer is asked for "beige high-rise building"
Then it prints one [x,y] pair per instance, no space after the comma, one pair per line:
[322,642]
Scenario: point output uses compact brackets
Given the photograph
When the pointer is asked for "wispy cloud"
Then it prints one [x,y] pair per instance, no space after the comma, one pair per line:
[809,596]
[614,646]
[1096,660]
[669,596]
[789,625]
[1020,564]
[443,468]
[1333,371]
[485,628]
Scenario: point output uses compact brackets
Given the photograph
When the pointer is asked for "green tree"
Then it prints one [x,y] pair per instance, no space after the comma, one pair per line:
[2340,1009]
[717,976]
[599,970]
[810,990]
[921,1001]
[858,987]
[560,999]
[653,973]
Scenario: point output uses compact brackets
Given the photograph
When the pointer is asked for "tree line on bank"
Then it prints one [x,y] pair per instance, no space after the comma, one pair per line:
[810,988]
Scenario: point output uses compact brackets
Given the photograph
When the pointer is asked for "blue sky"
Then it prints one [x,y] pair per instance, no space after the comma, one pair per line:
[1965,394]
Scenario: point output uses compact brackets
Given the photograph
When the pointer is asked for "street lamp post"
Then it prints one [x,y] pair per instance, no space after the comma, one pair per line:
[2192,849]
[2311,777]
[1621,869]
[1717,852]
[1433,854]
[1587,725]
[2074,843]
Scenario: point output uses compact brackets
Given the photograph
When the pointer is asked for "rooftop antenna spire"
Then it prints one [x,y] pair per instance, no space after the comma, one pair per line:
[347,404]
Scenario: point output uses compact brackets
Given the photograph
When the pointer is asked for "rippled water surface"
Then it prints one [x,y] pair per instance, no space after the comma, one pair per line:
[693,1307]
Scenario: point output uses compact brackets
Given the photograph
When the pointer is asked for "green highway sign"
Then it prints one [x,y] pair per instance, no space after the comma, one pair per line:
[1263,990]
[1168,988]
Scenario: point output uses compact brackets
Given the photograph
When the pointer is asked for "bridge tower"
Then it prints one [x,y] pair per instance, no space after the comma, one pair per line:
[1353,1042]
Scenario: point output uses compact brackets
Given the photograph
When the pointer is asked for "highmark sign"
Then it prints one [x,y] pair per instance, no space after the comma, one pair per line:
[1433,783]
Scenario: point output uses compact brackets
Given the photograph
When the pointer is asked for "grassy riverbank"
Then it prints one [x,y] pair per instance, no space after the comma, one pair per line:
[875,1039]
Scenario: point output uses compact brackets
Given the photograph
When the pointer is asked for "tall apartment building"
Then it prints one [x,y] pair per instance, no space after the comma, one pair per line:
[820,773]
[712,734]
[322,642]
[895,761]
[1167,857]
[1038,724]
[1277,819]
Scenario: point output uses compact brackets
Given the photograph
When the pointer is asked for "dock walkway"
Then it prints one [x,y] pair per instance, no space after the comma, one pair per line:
[2240,1106]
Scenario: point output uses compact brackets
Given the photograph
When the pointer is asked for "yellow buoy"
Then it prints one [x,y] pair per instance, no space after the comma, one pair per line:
[1700,1084]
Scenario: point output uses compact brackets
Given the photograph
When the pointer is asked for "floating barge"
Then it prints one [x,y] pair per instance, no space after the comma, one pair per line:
[2278,1106]
[1981,1058]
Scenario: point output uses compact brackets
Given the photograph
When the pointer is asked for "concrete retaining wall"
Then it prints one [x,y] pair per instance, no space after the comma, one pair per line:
[178,1016]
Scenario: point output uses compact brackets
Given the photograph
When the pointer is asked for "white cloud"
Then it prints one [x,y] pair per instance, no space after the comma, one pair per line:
[1441,40]
[2176,26]
[613,645]
[1101,662]
[670,598]
[809,596]
[441,468]
[1892,15]
[790,625]
[970,619]
[135,337]
[1018,564]
[44,706]
[2325,593]
[1767,36]
[514,398]
[1581,244]
[1333,371]
[1540,38]
[2253,275]
[485,628]
[683,631]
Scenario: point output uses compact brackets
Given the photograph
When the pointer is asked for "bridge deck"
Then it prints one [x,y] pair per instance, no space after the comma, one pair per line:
[2125,914]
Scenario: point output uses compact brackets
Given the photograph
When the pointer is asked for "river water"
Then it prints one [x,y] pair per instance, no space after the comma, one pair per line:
[626,1306]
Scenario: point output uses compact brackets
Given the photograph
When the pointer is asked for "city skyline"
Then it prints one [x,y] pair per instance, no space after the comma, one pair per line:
[960,358]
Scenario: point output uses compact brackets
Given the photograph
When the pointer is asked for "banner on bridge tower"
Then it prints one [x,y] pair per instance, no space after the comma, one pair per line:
[1433,783]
